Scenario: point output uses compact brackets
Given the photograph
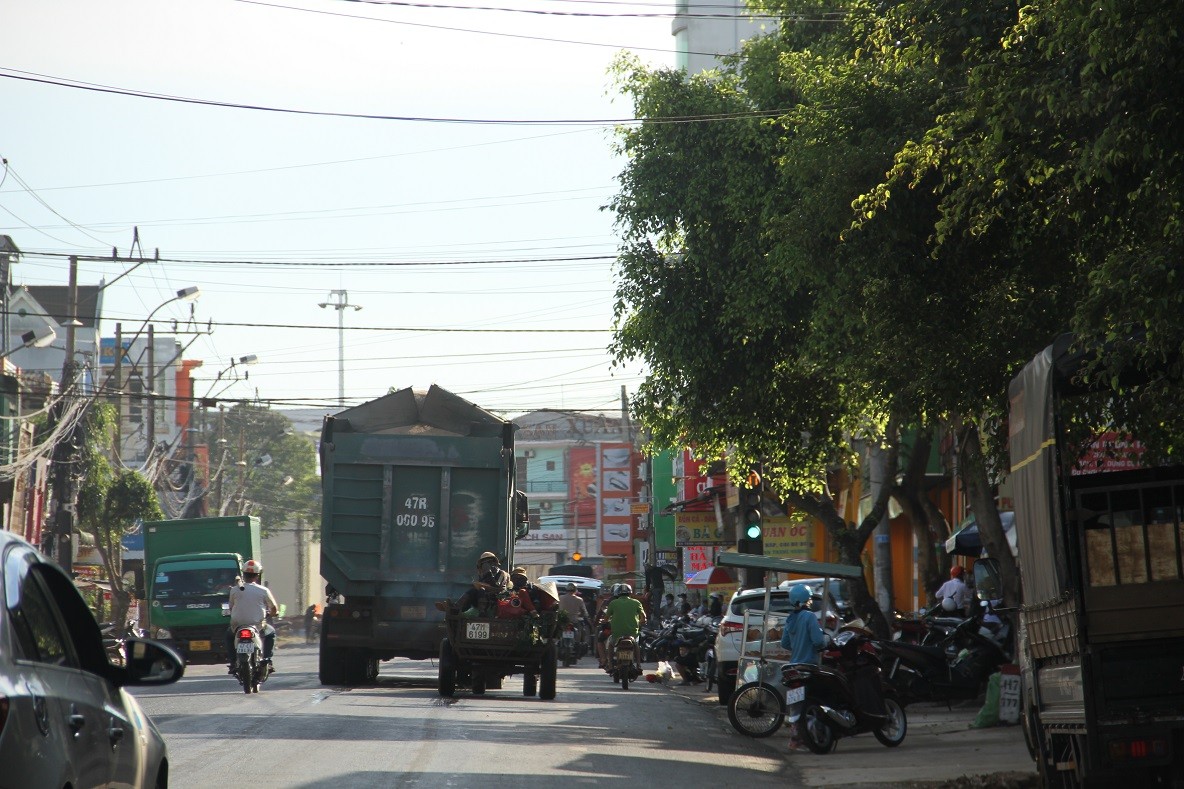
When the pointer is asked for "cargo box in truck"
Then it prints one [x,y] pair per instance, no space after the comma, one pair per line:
[416,486]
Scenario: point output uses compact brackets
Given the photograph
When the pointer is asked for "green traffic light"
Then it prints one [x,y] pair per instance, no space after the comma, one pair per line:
[754,531]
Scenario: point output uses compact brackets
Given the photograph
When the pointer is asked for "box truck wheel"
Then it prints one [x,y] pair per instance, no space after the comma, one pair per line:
[447,679]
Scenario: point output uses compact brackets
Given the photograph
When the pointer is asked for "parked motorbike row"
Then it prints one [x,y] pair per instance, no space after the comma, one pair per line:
[864,684]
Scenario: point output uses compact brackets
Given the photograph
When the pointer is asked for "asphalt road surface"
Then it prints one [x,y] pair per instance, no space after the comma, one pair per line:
[400,733]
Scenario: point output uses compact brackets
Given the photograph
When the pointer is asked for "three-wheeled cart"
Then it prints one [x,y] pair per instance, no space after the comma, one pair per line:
[478,653]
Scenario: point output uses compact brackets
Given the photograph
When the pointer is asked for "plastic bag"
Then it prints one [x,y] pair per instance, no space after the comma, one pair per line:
[988,716]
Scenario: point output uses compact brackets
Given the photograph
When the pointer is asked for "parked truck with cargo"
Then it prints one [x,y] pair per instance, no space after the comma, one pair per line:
[189,567]
[1101,551]
[416,485]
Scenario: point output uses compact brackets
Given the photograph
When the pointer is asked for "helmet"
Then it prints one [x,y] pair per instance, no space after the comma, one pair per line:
[957,571]
[253,567]
[621,590]
[948,604]
[518,571]
[571,587]
[799,595]
[488,556]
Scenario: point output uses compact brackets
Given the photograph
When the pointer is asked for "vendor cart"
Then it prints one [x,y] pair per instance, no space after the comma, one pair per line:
[479,652]
[756,707]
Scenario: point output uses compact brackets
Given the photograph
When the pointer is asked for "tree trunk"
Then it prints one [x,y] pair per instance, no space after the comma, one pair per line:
[922,513]
[986,514]
[849,540]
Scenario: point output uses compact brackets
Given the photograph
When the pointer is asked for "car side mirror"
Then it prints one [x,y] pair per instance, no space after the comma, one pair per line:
[149,663]
[987,581]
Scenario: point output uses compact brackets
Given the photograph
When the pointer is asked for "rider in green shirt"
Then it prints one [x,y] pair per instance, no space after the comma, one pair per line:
[626,616]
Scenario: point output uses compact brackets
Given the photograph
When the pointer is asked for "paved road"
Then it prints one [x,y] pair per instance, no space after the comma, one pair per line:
[399,733]
[295,733]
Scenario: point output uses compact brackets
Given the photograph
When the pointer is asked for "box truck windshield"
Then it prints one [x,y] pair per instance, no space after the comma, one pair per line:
[199,579]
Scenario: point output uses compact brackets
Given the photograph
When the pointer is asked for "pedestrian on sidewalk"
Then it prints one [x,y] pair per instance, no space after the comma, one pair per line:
[687,665]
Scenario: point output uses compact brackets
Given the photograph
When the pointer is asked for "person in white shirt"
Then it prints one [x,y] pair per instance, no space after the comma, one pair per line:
[250,605]
[955,589]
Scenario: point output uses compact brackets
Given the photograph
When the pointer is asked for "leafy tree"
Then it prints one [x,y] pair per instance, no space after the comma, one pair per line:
[110,503]
[262,468]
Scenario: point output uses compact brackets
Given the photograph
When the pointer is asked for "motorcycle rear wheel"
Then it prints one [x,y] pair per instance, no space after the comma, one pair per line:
[892,733]
[243,671]
[815,731]
[755,710]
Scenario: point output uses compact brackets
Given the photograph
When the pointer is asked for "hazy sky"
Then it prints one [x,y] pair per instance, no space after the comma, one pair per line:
[427,225]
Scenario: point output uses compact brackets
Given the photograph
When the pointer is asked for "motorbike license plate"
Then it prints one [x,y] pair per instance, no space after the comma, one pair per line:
[569,635]
[478,631]
[795,695]
[246,647]
[199,646]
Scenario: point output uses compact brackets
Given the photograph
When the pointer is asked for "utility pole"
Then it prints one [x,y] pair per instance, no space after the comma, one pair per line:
[341,304]
[150,395]
[118,392]
[65,457]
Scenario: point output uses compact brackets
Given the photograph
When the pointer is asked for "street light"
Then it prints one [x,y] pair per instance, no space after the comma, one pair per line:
[36,338]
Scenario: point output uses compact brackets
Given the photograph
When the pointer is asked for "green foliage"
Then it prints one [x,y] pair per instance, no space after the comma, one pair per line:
[242,484]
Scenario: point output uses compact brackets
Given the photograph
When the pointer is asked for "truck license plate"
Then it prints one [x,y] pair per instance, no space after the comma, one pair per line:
[246,647]
[794,695]
[478,631]
[199,646]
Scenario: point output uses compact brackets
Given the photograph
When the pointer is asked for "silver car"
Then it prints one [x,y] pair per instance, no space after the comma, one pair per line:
[65,719]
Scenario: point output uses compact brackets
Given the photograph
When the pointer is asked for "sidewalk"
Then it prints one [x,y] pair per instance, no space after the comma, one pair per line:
[940,750]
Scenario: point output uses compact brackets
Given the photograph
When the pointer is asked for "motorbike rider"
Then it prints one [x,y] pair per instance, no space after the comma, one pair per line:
[577,613]
[626,616]
[715,605]
[955,589]
[802,636]
[250,605]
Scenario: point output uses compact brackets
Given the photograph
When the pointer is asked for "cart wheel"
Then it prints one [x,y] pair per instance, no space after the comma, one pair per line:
[548,670]
[755,709]
[447,683]
[478,682]
[530,684]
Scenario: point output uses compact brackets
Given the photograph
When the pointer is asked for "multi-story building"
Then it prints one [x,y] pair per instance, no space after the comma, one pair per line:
[704,30]
[587,491]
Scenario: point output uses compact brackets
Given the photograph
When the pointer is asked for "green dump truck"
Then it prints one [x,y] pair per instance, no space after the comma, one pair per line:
[189,566]
[416,486]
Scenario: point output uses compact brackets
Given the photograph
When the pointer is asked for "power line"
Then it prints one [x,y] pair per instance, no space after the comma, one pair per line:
[28,76]
[424,329]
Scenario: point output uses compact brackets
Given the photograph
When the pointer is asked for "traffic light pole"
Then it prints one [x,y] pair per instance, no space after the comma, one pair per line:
[750,534]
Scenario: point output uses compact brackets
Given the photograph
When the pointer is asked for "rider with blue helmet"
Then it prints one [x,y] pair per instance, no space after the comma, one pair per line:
[802,635]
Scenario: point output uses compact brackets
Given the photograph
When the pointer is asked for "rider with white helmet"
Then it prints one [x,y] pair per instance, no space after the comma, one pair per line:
[250,605]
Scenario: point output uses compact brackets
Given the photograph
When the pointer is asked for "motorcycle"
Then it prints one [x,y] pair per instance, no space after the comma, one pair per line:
[846,698]
[568,651]
[250,669]
[850,665]
[621,664]
[956,666]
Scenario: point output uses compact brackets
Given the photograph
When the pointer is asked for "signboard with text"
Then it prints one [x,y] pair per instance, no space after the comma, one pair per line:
[788,537]
[699,528]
